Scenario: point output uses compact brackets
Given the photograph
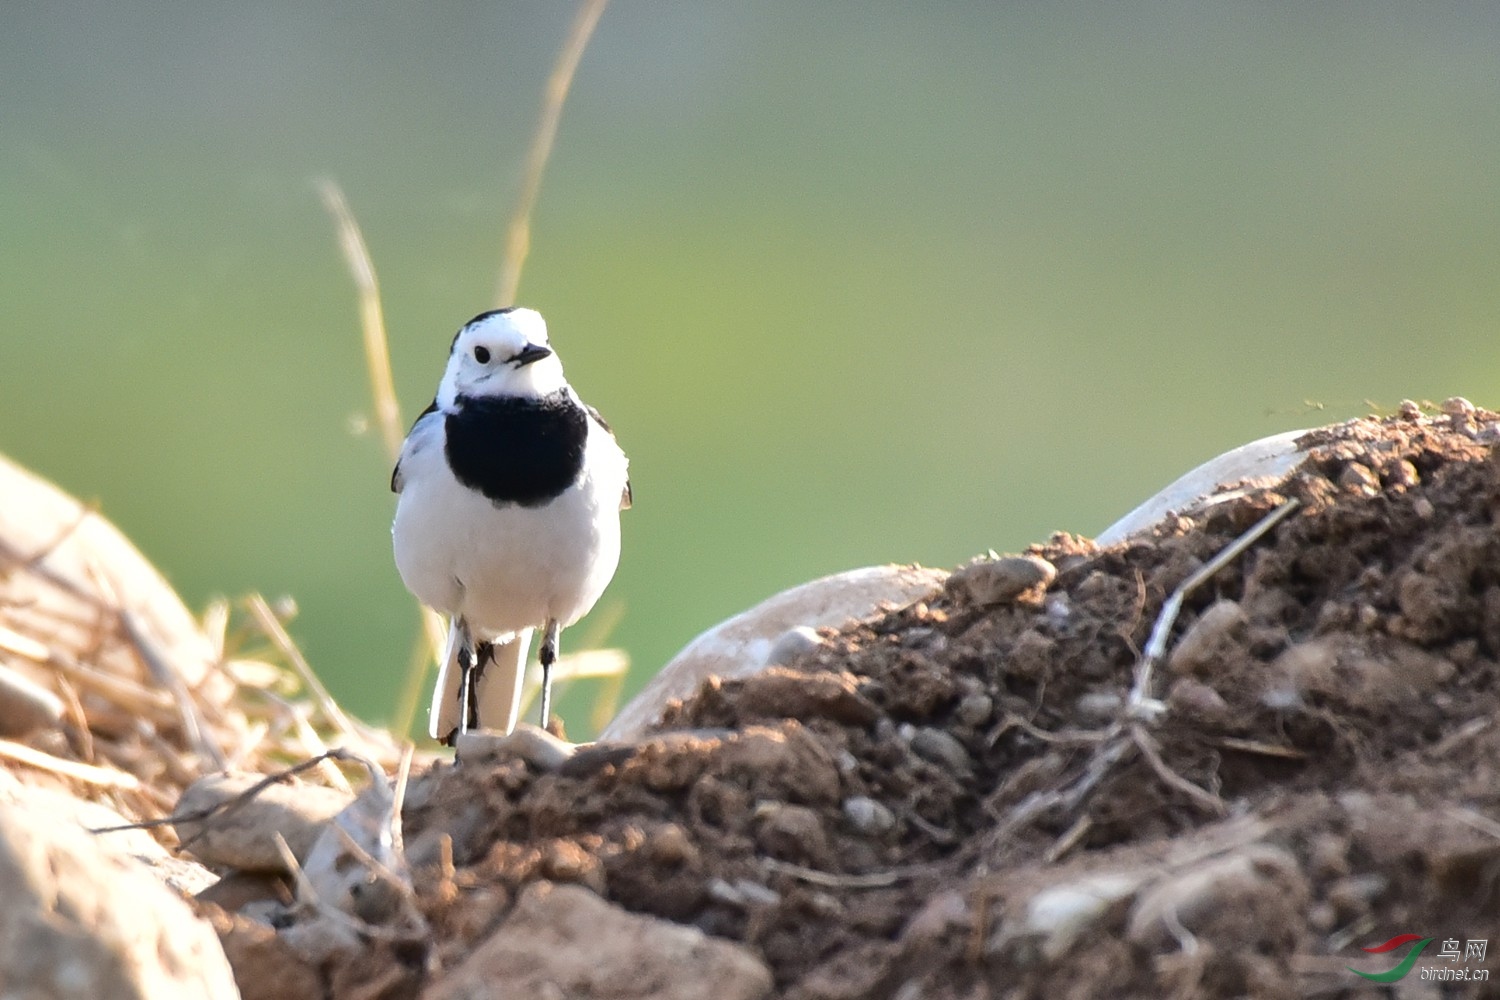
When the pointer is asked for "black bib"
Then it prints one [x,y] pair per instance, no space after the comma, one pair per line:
[518,450]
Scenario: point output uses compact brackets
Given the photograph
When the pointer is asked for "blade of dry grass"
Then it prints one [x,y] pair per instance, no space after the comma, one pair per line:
[518,232]
[277,633]
[371,316]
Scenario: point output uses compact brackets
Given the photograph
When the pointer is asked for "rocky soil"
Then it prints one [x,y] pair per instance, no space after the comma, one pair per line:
[1000,790]
[962,799]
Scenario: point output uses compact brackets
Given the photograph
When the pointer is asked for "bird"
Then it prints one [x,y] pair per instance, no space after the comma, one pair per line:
[508,490]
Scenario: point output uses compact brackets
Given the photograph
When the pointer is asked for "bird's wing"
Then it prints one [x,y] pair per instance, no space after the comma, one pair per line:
[416,439]
[627,499]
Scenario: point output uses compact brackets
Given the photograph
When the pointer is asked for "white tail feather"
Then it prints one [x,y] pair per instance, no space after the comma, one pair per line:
[497,695]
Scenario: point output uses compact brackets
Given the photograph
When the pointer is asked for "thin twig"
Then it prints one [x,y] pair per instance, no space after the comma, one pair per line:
[371,317]
[1129,734]
[1147,746]
[235,801]
[1141,700]
[193,730]
[518,232]
[1262,749]
[832,880]
[1476,820]
[1069,840]
[426,649]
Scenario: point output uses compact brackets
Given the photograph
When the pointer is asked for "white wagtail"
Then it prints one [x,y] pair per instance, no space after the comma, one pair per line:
[508,516]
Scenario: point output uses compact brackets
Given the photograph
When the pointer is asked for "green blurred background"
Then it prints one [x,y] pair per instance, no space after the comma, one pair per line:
[855,282]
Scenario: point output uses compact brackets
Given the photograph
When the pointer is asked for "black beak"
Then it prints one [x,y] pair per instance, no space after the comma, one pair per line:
[530,353]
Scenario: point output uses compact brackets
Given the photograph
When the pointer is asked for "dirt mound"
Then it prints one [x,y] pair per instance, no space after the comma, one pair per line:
[959,800]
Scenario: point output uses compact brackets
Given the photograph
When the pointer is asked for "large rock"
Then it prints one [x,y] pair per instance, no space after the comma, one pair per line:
[770,632]
[564,941]
[243,835]
[81,576]
[81,921]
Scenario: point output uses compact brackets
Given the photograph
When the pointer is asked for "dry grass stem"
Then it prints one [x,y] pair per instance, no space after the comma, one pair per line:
[89,774]
[277,633]
[518,232]
[1156,646]
[1130,735]
[833,880]
[371,317]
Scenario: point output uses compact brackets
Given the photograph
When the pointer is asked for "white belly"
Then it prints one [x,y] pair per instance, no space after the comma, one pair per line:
[510,567]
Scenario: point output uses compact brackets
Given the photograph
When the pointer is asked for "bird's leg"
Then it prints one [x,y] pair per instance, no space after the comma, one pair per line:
[484,655]
[467,678]
[548,656]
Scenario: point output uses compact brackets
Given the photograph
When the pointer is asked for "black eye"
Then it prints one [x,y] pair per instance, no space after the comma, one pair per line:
[482,355]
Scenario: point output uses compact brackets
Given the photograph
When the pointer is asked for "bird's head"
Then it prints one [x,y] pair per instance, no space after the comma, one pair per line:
[501,353]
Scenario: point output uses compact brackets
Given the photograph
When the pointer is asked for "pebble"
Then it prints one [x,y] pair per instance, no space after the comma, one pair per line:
[867,816]
[1001,581]
[974,710]
[1099,706]
[941,748]
[742,892]
[1401,474]
[669,844]
[1195,700]
[1203,646]
[1457,406]
[244,837]
[1359,479]
[1409,410]
[793,643]
[537,747]
[790,832]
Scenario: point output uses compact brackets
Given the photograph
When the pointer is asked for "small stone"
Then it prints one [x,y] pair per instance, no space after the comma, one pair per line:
[1401,474]
[1099,705]
[792,833]
[1358,478]
[243,837]
[669,844]
[1002,581]
[536,746]
[1204,645]
[562,940]
[942,748]
[1061,913]
[1409,410]
[793,643]
[1457,406]
[741,892]
[974,710]
[566,861]
[867,816]
[1195,700]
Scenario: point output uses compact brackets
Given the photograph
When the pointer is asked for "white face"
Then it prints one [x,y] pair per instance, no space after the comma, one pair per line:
[501,354]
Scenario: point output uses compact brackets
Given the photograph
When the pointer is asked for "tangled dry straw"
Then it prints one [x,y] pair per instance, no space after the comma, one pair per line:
[110,688]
